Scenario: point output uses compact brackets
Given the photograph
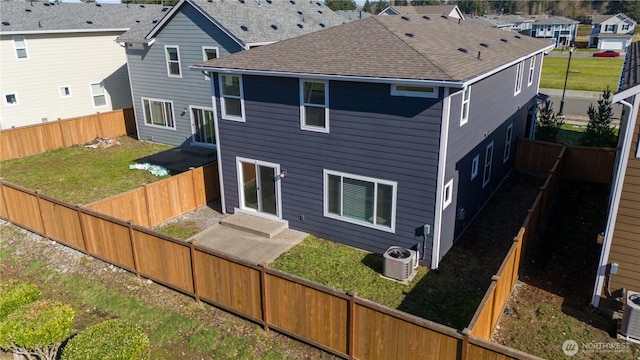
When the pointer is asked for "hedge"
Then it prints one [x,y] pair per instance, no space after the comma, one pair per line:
[14,294]
[109,340]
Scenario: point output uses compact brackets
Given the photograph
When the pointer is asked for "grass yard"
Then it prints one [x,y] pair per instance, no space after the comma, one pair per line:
[586,73]
[80,175]
[570,134]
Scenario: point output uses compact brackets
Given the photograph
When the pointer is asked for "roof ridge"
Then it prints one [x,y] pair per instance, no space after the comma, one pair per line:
[412,48]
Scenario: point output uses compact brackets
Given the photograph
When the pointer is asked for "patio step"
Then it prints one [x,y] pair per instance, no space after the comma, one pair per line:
[254,224]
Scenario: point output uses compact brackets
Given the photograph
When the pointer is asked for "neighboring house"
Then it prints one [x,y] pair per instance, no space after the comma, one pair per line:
[329,136]
[611,32]
[173,104]
[60,60]
[352,15]
[560,29]
[621,243]
[437,10]
[520,24]
[495,22]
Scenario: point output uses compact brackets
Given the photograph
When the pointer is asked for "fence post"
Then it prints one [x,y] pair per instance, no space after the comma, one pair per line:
[134,253]
[4,200]
[465,344]
[44,226]
[493,307]
[351,325]
[64,141]
[83,231]
[516,261]
[193,183]
[146,202]
[194,271]
[264,296]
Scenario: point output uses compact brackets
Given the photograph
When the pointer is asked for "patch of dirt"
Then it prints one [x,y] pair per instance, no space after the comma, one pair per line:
[20,250]
[201,218]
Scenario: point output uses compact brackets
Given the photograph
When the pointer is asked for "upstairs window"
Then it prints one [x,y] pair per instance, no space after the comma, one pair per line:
[314,105]
[209,53]
[464,112]
[98,95]
[519,75]
[65,91]
[610,28]
[20,44]
[625,27]
[447,196]
[488,160]
[172,55]
[414,91]
[532,70]
[231,97]
[11,99]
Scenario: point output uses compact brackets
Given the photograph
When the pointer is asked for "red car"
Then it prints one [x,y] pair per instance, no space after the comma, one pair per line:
[606,53]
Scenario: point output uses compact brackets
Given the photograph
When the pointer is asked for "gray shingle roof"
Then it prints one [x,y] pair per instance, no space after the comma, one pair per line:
[352,15]
[390,47]
[24,17]
[264,20]
[555,20]
[630,76]
[490,21]
[424,9]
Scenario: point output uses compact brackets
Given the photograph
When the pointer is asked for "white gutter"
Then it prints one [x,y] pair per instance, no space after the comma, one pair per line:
[442,161]
[68,31]
[618,182]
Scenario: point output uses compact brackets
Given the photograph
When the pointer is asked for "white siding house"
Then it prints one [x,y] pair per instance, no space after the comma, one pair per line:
[61,60]
[611,32]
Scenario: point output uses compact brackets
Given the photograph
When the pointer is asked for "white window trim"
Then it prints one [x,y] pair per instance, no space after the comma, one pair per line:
[507,143]
[144,114]
[193,122]
[433,94]
[488,164]
[223,110]
[15,48]
[519,78]
[204,56]
[303,126]
[62,96]
[465,119]
[93,96]
[4,97]
[447,194]
[393,184]
[475,164]
[166,58]
[532,70]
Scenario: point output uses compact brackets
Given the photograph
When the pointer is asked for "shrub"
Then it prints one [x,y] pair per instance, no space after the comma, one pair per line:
[599,131]
[14,294]
[37,329]
[549,123]
[112,339]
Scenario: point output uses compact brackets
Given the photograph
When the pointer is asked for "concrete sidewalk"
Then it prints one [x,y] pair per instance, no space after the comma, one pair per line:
[572,94]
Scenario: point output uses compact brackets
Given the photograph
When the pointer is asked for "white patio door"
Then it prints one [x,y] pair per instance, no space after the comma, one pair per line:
[259,186]
[202,127]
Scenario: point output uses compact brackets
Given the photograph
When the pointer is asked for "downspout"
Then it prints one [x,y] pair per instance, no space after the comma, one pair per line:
[614,202]
[442,162]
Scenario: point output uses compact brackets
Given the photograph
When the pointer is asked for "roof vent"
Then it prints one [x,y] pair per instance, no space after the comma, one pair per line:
[299,12]
[479,54]
[405,17]
[142,6]
[518,37]
[300,25]
[464,50]
[46,4]
[484,45]
[322,25]
[89,22]
[504,40]
[241,1]
[165,9]
[138,21]
[39,24]
[409,34]
[293,2]
[98,4]
[427,17]
[318,3]
[244,27]
[444,16]
[27,10]
[154,21]
[274,26]
[319,11]
[6,23]
[269,1]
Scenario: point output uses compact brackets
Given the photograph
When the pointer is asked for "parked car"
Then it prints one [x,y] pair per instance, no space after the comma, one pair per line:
[606,53]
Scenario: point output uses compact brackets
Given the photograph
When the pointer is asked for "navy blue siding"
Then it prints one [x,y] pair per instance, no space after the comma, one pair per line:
[492,107]
[372,134]
[190,30]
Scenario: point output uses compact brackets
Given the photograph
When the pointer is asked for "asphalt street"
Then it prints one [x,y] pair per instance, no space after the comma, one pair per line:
[576,103]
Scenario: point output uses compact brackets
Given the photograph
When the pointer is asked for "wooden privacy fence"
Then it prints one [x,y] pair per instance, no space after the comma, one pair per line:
[338,322]
[35,139]
[155,203]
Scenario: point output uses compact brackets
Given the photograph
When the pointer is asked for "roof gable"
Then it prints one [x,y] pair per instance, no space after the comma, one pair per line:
[612,19]
[449,10]
[556,20]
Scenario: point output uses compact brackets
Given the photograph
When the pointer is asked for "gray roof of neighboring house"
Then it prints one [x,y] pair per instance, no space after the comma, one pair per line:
[556,20]
[424,9]
[390,47]
[490,21]
[258,21]
[353,15]
[37,17]
[515,19]
[630,76]
[598,19]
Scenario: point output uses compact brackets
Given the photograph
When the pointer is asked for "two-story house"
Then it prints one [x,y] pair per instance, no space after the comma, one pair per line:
[172,104]
[327,135]
[493,21]
[560,30]
[611,32]
[60,60]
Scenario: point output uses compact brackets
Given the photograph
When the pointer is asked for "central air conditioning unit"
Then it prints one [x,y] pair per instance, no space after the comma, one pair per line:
[630,328]
[399,263]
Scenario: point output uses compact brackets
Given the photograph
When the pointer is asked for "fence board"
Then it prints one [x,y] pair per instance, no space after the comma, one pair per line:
[164,260]
[4,212]
[62,223]
[170,198]
[108,240]
[589,164]
[127,206]
[481,323]
[536,156]
[231,285]
[23,208]
[316,315]
[211,182]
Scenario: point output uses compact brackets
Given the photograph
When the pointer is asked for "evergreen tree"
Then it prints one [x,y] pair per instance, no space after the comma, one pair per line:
[549,123]
[599,131]
[367,7]
[340,4]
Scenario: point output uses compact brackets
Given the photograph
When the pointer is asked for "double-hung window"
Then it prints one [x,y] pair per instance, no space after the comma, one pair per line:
[172,55]
[532,70]
[158,113]
[447,196]
[488,160]
[507,143]
[474,166]
[519,75]
[209,53]
[360,200]
[314,105]
[464,112]
[231,97]
[20,44]
[98,95]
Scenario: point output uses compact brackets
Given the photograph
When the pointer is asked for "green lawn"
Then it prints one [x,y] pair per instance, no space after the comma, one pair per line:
[80,175]
[586,74]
